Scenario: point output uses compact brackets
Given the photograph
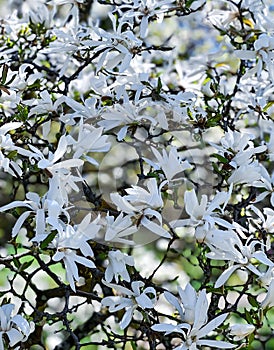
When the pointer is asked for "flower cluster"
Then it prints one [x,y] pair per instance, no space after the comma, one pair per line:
[137,185]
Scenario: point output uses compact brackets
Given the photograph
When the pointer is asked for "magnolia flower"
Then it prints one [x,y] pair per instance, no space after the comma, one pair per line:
[61,184]
[45,104]
[116,48]
[221,239]
[141,198]
[134,298]
[193,310]
[170,163]
[120,229]
[268,222]
[85,110]
[117,266]
[267,183]
[69,240]
[239,146]
[124,116]
[51,163]
[6,144]
[240,331]
[262,55]
[203,215]
[16,328]
[143,206]
[240,256]
[89,140]
[145,9]
[246,173]
[43,209]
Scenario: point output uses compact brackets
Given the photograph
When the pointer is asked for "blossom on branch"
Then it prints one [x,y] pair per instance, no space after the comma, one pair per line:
[130,300]
[16,328]
[143,206]
[193,309]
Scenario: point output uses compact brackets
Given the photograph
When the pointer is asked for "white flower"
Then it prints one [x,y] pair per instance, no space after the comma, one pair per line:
[43,209]
[268,222]
[85,110]
[6,144]
[118,230]
[134,298]
[60,185]
[262,55]
[16,328]
[124,115]
[145,9]
[45,104]
[143,206]
[171,163]
[203,215]
[89,140]
[266,182]
[52,162]
[69,240]
[239,146]
[245,174]
[193,310]
[141,198]
[240,256]
[240,331]
[115,49]
[117,266]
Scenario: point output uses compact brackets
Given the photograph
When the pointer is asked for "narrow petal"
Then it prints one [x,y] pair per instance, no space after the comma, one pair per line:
[158,230]
[216,344]
[19,223]
[127,318]
[203,332]
[225,275]
[14,336]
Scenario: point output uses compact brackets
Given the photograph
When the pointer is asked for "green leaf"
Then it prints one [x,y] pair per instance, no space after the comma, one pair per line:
[16,263]
[133,345]
[25,265]
[159,85]
[12,154]
[216,169]
[248,317]
[268,105]
[4,73]
[214,121]
[253,301]
[220,158]
[48,239]
[251,338]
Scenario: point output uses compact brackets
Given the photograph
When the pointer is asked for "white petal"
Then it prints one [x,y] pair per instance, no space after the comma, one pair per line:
[203,332]
[127,318]
[14,336]
[201,309]
[144,301]
[158,230]
[167,328]
[19,223]
[225,275]
[22,324]
[261,256]
[61,149]
[216,344]
[174,301]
